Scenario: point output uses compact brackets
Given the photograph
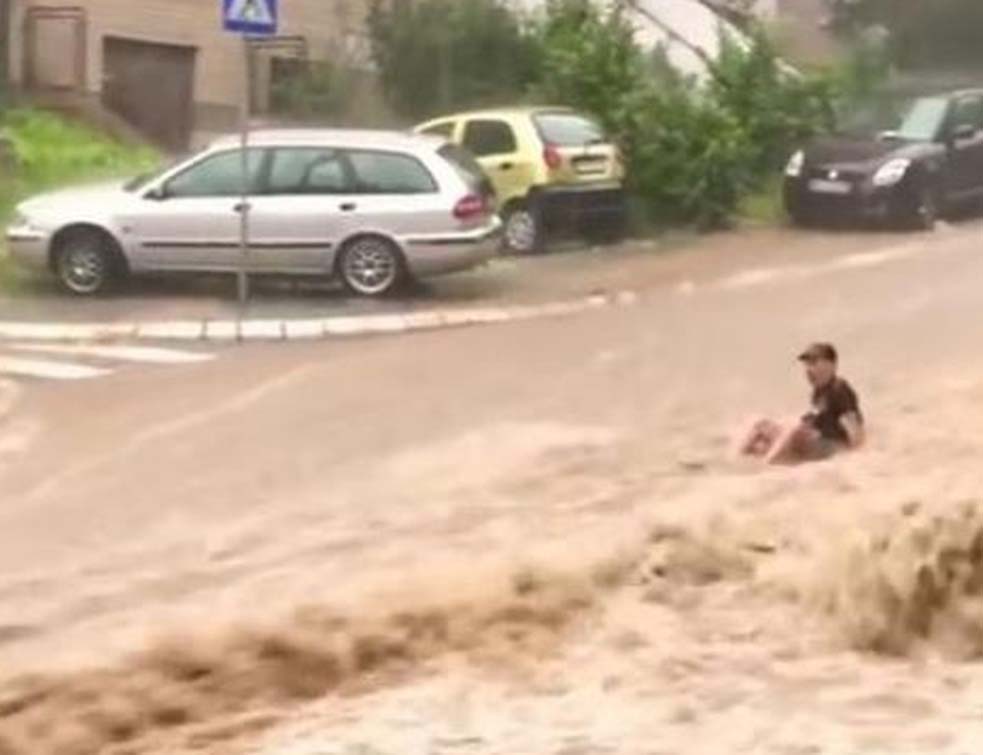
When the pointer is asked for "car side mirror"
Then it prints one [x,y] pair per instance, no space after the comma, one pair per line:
[156,194]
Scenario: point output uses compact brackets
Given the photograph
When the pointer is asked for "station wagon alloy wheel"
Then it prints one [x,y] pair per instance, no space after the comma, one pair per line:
[83,265]
[370,267]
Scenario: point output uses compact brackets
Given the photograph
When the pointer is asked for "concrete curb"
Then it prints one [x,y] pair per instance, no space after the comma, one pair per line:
[218,331]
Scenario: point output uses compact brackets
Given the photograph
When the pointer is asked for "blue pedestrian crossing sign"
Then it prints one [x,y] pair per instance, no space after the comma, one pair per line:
[257,17]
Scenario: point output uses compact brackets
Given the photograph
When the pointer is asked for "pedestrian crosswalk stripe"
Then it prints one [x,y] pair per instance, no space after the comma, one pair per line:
[145,354]
[49,370]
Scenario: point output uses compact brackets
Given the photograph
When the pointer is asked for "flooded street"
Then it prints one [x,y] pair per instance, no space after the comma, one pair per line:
[519,539]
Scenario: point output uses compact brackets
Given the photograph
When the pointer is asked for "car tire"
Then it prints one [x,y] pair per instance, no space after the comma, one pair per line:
[86,262]
[523,230]
[371,266]
[920,210]
[799,219]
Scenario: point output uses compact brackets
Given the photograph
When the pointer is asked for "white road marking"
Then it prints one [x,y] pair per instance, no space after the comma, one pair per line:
[874,259]
[47,370]
[146,354]
[754,277]
[170,428]
[184,331]
[864,260]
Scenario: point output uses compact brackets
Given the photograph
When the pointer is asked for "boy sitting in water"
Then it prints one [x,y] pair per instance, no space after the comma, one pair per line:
[835,422]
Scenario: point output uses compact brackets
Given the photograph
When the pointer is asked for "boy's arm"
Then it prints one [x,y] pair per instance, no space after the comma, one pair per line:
[854,428]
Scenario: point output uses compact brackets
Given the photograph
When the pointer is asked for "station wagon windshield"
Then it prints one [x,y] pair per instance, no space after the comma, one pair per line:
[142,181]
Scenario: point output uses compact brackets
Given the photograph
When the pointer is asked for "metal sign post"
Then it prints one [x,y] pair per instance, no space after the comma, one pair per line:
[243,273]
[250,18]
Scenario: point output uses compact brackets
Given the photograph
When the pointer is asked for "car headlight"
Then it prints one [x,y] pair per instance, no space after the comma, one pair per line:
[891,172]
[795,164]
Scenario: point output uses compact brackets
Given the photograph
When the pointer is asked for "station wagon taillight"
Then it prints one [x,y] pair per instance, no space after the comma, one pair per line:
[552,157]
[470,207]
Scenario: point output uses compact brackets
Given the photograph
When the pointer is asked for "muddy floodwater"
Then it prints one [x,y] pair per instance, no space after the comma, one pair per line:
[526,540]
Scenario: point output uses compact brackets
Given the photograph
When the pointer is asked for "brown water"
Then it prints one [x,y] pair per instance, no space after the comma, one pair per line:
[577,569]
[719,607]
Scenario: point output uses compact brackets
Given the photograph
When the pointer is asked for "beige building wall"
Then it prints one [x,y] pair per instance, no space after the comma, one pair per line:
[332,29]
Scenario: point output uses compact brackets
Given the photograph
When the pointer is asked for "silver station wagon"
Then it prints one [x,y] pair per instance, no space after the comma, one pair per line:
[368,208]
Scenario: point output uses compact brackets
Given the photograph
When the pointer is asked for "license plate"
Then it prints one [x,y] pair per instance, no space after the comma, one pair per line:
[822,186]
[585,167]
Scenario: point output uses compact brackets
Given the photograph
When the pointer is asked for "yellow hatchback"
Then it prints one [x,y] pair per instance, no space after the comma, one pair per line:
[553,169]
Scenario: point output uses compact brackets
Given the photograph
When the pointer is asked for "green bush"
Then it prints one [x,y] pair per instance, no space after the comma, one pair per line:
[693,151]
[691,159]
[777,108]
[435,55]
[312,90]
[52,151]
[589,59]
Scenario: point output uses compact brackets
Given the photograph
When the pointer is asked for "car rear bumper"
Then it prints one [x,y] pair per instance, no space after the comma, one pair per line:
[449,253]
[28,247]
[579,208]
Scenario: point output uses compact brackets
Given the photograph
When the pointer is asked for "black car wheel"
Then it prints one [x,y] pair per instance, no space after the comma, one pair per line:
[798,218]
[919,208]
[523,229]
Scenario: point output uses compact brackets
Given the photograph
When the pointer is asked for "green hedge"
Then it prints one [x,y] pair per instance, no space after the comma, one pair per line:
[693,150]
[52,151]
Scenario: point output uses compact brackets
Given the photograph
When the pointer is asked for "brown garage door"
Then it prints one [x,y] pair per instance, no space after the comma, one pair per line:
[151,86]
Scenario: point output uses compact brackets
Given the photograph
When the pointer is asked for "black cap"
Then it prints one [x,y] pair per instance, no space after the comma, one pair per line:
[819,351]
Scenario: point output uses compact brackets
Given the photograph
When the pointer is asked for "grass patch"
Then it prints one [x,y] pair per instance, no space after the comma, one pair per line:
[764,206]
[52,151]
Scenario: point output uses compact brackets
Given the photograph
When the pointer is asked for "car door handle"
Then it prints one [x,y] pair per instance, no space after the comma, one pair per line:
[348,207]
[506,166]
[242,207]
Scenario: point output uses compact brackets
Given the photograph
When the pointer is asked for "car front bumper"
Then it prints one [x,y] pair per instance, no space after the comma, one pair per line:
[28,246]
[454,252]
[863,203]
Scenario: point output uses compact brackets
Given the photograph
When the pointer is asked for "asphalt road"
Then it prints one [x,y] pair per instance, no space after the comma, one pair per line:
[568,271]
[255,479]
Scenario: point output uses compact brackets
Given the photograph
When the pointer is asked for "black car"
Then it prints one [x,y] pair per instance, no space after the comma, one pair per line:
[931,163]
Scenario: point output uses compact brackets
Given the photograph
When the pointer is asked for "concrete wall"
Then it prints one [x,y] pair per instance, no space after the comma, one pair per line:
[329,26]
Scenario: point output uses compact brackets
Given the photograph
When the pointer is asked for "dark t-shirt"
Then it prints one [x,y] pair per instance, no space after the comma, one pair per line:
[829,405]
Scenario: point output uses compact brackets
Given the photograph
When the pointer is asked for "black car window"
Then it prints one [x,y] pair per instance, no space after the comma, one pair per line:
[968,112]
[217,176]
[485,138]
[308,170]
[390,173]
[568,129]
[467,168]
